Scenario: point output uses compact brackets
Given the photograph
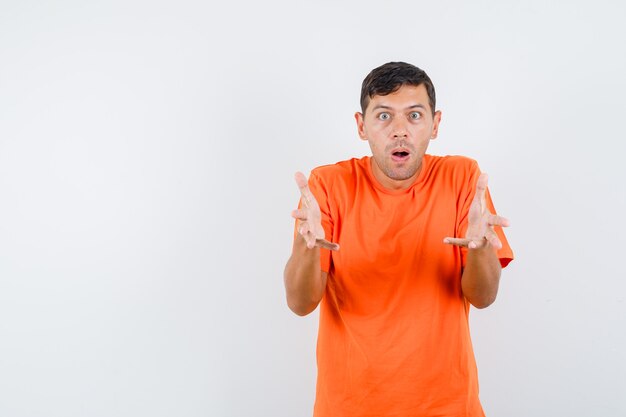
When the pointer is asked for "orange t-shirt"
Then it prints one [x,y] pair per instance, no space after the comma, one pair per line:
[394,338]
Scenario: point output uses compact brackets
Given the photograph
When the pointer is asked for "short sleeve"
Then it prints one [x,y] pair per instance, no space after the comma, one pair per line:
[505,254]
[319,190]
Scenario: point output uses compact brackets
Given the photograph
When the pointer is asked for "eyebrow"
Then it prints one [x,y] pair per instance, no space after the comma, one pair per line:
[414,106]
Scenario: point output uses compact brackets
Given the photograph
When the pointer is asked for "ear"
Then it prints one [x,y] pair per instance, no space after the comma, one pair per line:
[360,126]
[436,121]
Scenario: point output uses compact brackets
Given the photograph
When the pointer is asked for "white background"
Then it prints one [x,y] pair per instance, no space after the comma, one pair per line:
[147,152]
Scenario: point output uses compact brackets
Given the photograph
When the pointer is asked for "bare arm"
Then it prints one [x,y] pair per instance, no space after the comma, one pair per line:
[305,282]
[481,275]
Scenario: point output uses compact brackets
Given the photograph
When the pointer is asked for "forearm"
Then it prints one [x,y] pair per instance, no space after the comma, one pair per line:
[304,281]
[481,276]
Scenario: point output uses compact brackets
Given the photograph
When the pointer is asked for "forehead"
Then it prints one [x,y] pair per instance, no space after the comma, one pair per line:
[406,96]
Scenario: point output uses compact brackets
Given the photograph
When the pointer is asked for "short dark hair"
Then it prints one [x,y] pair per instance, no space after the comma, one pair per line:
[389,77]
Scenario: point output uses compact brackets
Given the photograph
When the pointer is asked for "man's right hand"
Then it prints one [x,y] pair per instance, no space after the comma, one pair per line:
[309,217]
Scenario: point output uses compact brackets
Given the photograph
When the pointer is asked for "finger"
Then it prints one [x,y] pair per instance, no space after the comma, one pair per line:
[304,229]
[323,243]
[481,183]
[308,235]
[310,240]
[495,220]
[299,214]
[303,184]
[301,179]
[492,238]
[481,188]
[456,241]
[474,244]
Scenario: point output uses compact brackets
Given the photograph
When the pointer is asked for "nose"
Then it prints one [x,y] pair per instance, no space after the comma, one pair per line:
[399,128]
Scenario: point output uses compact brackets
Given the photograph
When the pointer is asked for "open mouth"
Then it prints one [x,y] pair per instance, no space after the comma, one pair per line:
[400,155]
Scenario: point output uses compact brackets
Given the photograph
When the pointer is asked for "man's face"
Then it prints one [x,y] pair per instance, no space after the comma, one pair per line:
[398,127]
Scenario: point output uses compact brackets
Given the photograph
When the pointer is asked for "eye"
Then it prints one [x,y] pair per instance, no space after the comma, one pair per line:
[415,115]
[384,116]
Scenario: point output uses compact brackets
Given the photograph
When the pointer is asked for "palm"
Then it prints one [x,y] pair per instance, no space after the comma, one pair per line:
[310,217]
[481,222]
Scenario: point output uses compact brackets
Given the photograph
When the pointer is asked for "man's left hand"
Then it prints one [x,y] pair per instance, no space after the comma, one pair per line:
[480,230]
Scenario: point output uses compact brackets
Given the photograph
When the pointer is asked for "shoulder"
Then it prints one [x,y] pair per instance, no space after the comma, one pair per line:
[348,166]
[453,172]
[452,162]
[338,181]
[344,172]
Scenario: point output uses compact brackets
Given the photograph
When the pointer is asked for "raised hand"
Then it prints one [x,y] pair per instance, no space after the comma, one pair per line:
[309,217]
[480,222]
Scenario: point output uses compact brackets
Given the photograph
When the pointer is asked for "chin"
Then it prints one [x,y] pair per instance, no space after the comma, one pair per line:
[401,175]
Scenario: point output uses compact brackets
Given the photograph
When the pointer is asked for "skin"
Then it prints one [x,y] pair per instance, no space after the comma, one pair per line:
[399,122]
[305,282]
[481,275]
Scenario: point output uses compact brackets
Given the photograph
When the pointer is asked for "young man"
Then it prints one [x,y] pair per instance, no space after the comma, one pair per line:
[419,244]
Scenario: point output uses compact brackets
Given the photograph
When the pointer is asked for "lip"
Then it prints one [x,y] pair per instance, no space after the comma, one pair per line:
[396,157]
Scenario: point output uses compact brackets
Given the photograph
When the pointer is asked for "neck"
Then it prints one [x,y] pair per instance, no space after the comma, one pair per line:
[390,183]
